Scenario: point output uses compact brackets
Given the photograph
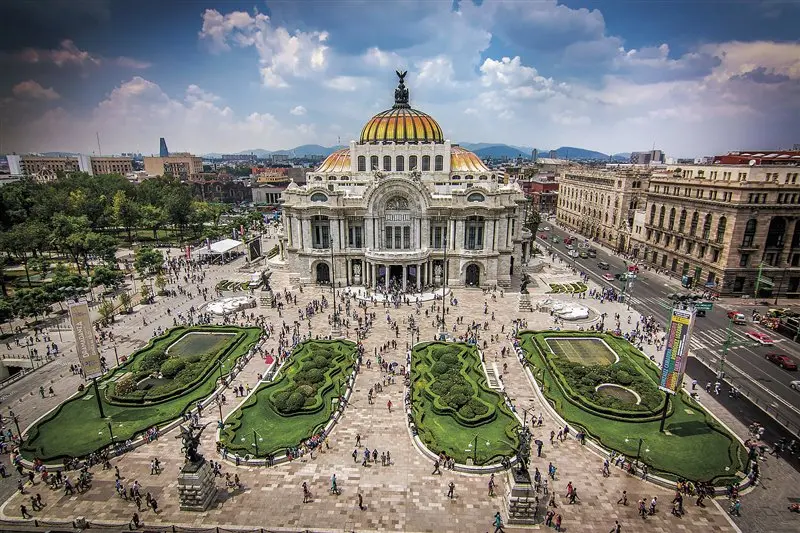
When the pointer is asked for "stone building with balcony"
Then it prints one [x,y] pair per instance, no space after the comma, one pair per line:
[402,206]
[717,226]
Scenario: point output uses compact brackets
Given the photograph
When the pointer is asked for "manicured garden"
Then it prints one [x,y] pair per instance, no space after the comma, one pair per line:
[154,386]
[694,446]
[233,286]
[296,404]
[567,288]
[453,407]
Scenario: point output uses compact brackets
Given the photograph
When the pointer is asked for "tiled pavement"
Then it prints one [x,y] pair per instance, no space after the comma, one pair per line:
[403,496]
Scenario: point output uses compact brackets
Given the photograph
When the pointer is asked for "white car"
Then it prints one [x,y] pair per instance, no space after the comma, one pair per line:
[795,384]
[546,228]
[761,338]
[574,253]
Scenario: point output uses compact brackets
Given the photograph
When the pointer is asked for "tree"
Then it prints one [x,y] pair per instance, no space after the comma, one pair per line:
[6,311]
[153,217]
[22,242]
[125,302]
[41,266]
[31,302]
[106,310]
[532,218]
[3,264]
[126,212]
[148,261]
[178,204]
[65,283]
[68,233]
[109,277]
[145,294]
[161,282]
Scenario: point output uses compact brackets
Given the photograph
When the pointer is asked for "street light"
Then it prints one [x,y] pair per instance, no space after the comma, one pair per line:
[116,356]
[16,424]
[443,326]
[335,331]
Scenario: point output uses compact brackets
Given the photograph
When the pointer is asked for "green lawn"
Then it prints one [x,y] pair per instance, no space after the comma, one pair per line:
[76,429]
[482,416]
[260,417]
[200,342]
[694,445]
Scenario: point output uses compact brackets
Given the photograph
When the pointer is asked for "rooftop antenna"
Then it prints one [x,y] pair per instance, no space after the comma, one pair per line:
[99,151]
[339,140]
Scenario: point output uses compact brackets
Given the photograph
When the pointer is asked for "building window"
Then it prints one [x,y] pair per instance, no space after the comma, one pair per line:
[652,214]
[473,236]
[388,238]
[355,234]
[438,236]
[426,163]
[749,233]
[412,162]
[439,163]
[689,247]
[406,237]
[795,260]
[701,251]
[320,232]
[373,163]
[661,217]
[362,163]
[744,259]
[682,221]
[707,227]
[387,162]
[672,219]
[693,225]
[721,225]
[400,163]
[674,265]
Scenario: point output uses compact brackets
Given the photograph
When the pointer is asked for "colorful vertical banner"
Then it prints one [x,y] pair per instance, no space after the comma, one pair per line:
[241,230]
[88,355]
[676,350]
[188,252]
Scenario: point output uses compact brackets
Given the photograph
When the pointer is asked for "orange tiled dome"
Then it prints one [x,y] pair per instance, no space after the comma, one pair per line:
[402,125]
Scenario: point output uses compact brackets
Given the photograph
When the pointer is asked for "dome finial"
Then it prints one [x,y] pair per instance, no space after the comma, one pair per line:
[401,93]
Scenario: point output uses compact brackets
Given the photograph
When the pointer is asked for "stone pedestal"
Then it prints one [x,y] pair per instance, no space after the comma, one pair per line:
[525,302]
[521,498]
[266,298]
[196,487]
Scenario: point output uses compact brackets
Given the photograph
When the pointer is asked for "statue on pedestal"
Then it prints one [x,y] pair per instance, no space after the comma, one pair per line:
[523,286]
[190,441]
[265,275]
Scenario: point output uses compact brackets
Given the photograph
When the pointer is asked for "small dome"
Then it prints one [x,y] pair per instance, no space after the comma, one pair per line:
[338,161]
[462,160]
[401,123]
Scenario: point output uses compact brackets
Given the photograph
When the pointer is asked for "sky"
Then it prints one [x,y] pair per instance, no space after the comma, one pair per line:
[690,77]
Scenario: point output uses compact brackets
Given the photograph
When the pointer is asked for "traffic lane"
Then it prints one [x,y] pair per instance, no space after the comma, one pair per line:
[743,409]
[773,377]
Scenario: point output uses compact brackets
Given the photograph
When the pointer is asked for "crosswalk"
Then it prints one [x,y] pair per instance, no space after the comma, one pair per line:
[713,340]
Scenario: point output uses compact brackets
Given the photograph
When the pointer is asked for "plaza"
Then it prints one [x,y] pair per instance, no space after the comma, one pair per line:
[403,496]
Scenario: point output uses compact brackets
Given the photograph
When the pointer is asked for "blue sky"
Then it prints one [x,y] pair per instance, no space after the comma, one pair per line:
[691,77]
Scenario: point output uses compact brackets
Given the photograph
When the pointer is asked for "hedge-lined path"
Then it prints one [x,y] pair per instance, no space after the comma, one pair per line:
[401,497]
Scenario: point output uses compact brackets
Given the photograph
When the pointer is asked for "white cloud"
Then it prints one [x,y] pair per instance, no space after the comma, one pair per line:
[282,54]
[32,90]
[345,83]
[298,110]
[69,54]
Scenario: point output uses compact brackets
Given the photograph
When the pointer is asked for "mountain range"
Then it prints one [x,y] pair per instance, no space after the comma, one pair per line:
[482,150]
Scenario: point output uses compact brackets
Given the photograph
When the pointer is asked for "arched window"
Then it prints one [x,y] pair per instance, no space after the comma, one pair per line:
[468,177]
[412,162]
[332,178]
[661,213]
[456,177]
[682,221]
[749,233]
[387,162]
[400,163]
[652,214]
[319,197]
[723,222]
[671,224]
[776,232]
[473,233]
[320,232]
[373,163]
[707,226]
[426,163]
[693,225]
[439,163]
[362,163]
[476,197]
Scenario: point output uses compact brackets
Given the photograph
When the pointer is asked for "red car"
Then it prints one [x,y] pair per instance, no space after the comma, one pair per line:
[737,317]
[783,361]
[761,338]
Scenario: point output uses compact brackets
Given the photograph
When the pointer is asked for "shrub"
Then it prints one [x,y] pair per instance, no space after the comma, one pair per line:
[125,385]
[439,368]
[152,360]
[171,367]
[306,390]
[624,378]
[295,402]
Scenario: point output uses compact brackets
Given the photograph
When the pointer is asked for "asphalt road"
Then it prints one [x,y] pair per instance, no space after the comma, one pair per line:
[649,296]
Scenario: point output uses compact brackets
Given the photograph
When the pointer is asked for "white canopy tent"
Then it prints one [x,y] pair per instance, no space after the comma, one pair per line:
[221,249]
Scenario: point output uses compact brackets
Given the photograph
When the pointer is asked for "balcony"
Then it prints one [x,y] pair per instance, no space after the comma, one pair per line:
[748,248]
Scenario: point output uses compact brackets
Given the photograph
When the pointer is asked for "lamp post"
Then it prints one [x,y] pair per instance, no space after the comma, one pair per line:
[16,424]
[221,380]
[443,326]
[335,329]
[219,405]
[116,355]
[111,433]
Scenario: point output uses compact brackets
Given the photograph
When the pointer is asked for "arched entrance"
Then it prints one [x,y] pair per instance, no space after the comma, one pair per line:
[323,273]
[473,275]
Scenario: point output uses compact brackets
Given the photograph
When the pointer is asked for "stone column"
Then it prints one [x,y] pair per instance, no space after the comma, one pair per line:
[405,273]
[386,276]
[419,276]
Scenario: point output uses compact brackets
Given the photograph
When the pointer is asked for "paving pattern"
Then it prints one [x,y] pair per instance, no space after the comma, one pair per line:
[404,496]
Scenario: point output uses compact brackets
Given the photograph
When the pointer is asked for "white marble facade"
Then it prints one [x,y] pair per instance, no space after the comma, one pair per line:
[385,209]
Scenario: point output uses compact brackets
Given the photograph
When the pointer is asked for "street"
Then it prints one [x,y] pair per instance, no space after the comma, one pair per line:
[745,365]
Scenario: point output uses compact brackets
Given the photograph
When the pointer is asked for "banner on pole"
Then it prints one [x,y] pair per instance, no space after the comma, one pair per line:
[88,355]
[188,252]
[676,350]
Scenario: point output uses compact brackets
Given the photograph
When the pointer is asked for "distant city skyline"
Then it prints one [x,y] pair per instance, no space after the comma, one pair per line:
[690,78]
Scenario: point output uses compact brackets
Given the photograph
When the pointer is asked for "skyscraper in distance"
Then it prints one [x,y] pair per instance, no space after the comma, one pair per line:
[163,151]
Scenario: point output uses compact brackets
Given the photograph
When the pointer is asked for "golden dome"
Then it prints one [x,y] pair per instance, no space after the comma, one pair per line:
[401,123]
[338,161]
[462,160]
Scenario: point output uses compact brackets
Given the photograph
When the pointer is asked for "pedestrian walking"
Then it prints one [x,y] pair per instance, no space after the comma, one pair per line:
[498,523]
[389,405]
[436,468]
[624,499]
[617,527]
[360,502]
[24,512]
[653,503]
[306,493]
[135,521]
[450,490]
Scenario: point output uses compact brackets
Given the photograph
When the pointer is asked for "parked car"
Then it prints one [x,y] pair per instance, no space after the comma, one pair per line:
[584,255]
[573,253]
[782,360]
[761,338]
[569,246]
[737,317]
[608,276]
[602,265]
[592,252]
